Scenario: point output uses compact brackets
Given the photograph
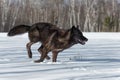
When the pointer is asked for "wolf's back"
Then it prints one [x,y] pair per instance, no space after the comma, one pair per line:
[17,30]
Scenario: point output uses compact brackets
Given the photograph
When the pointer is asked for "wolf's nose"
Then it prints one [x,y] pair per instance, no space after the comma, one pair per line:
[86,39]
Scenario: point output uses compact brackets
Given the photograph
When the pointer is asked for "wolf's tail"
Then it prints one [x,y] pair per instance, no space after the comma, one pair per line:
[17,30]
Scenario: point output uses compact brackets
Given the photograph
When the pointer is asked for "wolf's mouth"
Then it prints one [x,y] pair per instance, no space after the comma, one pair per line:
[82,42]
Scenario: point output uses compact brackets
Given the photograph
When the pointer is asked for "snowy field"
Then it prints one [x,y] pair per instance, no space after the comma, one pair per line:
[99,59]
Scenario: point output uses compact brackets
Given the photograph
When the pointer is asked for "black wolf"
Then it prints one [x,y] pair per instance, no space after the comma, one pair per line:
[51,37]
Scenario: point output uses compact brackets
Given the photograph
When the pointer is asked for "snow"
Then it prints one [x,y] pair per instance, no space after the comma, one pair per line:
[99,59]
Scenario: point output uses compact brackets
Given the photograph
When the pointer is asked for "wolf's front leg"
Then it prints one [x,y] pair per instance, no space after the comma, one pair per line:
[43,56]
[44,53]
[40,51]
[54,56]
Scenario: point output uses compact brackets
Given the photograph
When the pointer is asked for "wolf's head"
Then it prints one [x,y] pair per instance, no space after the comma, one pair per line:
[77,36]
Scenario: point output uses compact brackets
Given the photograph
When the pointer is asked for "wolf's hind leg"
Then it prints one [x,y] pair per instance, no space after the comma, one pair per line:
[28,46]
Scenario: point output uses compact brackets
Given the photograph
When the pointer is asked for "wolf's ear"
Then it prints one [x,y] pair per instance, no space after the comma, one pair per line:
[78,26]
[73,27]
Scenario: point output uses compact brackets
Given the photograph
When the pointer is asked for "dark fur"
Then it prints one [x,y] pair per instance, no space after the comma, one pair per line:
[52,38]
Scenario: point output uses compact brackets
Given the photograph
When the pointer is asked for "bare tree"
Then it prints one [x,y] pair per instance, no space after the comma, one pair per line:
[91,15]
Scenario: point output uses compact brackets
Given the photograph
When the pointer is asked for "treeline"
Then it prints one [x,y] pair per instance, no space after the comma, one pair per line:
[91,15]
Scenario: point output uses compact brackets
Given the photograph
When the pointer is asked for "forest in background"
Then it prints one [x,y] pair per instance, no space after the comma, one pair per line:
[90,15]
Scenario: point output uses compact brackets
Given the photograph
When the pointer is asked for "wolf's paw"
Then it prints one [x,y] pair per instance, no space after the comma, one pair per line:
[30,56]
[48,58]
[38,61]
